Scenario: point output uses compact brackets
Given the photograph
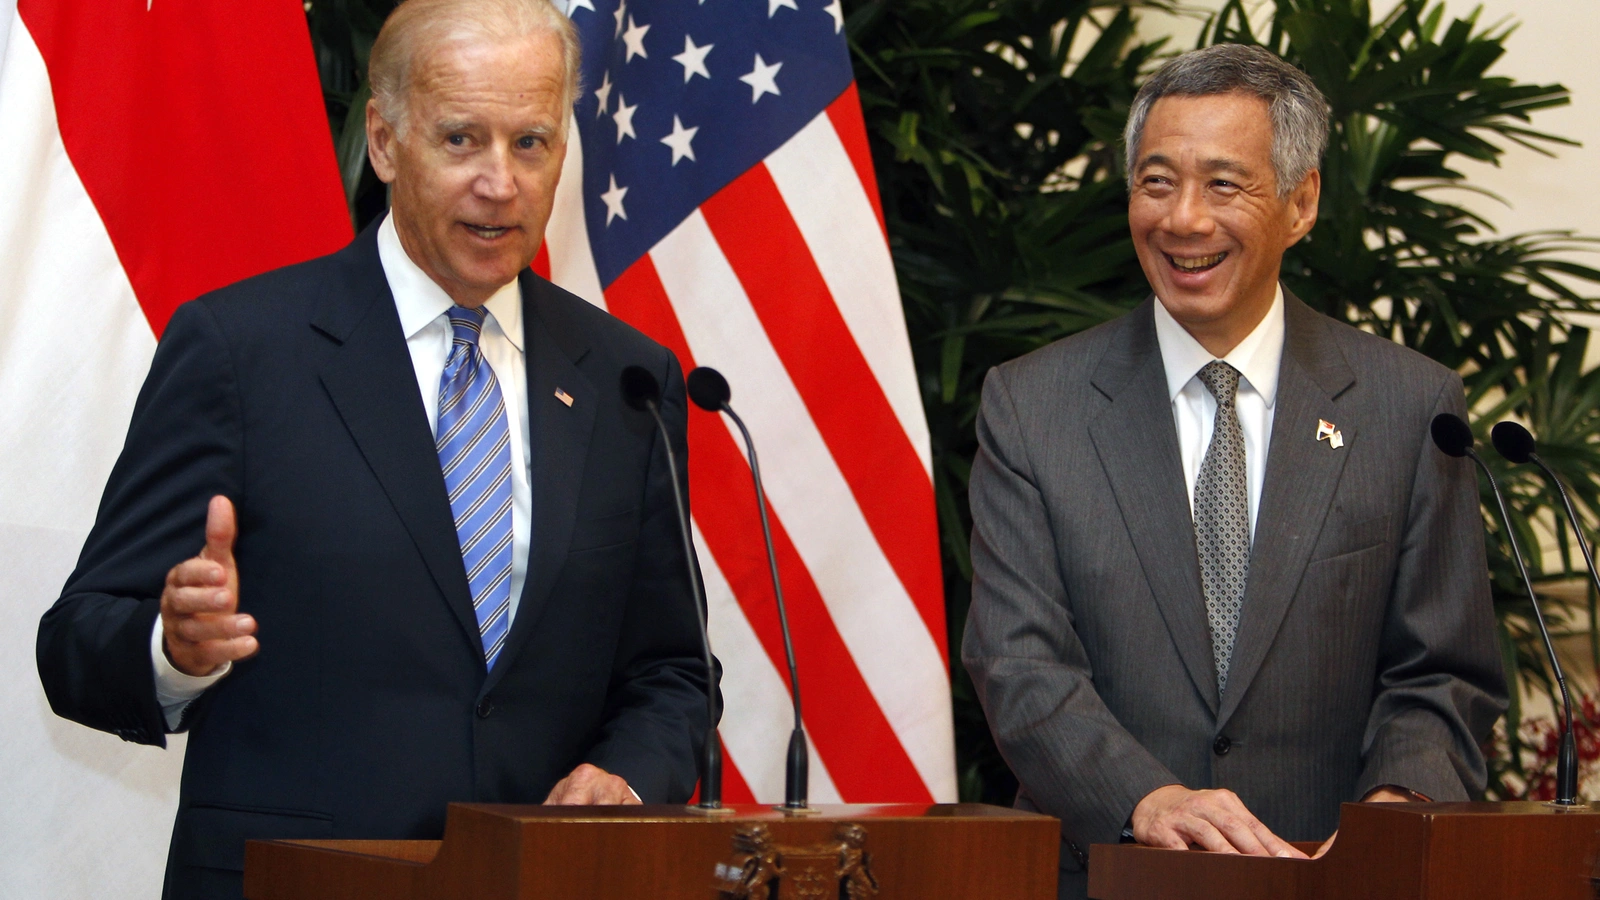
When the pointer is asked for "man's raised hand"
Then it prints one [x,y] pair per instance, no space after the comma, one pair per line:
[200,620]
[1176,817]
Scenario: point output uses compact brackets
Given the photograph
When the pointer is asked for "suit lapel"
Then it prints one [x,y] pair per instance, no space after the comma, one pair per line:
[558,437]
[1302,474]
[390,426]
[1137,443]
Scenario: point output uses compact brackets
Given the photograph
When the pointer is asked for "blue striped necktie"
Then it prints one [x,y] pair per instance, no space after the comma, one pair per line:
[475,451]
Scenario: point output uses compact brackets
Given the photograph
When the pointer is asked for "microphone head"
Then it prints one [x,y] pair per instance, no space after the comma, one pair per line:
[1513,441]
[1452,435]
[708,389]
[640,389]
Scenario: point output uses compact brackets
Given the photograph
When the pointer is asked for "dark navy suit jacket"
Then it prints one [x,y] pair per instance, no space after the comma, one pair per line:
[369,708]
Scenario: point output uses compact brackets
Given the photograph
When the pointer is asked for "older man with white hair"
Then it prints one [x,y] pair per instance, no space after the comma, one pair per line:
[1222,579]
[438,555]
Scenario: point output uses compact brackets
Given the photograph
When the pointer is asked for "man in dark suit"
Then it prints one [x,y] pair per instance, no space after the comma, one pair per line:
[1222,580]
[441,558]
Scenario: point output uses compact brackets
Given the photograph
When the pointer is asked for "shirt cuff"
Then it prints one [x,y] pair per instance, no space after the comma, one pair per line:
[175,690]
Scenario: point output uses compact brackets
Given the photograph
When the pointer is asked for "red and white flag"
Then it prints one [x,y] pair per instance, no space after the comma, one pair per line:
[150,150]
[718,194]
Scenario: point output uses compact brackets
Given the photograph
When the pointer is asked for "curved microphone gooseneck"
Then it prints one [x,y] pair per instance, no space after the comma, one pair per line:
[709,391]
[642,392]
[1517,446]
[1454,438]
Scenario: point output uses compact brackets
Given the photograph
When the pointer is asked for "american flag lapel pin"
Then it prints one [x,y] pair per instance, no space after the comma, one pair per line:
[563,396]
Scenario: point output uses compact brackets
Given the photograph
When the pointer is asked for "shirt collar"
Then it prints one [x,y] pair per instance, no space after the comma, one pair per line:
[1256,357]
[420,300]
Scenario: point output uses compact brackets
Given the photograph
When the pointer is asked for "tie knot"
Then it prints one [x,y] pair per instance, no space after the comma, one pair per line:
[1221,379]
[466,324]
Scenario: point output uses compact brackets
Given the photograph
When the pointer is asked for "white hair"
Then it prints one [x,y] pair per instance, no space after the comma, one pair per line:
[418,26]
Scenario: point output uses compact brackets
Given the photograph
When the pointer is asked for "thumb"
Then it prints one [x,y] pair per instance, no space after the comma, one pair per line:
[220,531]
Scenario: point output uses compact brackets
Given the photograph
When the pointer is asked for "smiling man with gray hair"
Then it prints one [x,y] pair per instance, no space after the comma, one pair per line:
[438,558]
[1223,582]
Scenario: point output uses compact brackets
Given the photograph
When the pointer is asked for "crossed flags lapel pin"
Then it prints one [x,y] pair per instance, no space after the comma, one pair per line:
[1327,431]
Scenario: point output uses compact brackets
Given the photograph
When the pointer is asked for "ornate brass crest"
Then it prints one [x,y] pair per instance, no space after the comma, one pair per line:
[839,869]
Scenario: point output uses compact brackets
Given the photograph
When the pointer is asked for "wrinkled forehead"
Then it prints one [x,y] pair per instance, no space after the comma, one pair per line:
[1235,125]
[466,66]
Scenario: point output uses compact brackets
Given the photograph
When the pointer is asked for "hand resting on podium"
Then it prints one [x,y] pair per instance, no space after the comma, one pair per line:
[590,785]
[1176,817]
[1383,794]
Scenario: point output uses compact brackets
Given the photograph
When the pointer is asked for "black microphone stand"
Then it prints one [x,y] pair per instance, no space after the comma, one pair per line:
[641,391]
[1516,445]
[1454,438]
[709,390]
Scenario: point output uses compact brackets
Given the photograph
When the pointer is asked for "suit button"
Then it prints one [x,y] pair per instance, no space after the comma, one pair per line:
[485,707]
[1221,745]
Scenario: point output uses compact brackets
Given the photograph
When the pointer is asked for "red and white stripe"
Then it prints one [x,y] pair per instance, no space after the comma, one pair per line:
[153,150]
[783,281]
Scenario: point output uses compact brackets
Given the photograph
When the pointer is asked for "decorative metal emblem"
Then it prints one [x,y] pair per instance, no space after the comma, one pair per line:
[1327,431]
[840,869]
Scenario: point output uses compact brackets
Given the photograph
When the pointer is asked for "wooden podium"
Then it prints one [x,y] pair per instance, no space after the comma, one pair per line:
[1387,851]
[496,852]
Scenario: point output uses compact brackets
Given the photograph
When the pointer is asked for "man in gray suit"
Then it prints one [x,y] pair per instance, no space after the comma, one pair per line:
[1223,581]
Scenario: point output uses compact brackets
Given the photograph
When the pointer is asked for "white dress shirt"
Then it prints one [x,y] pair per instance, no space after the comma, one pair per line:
[421,304]
[1194,410]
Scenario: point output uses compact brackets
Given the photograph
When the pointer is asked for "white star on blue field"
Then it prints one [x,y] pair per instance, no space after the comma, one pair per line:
[683,96]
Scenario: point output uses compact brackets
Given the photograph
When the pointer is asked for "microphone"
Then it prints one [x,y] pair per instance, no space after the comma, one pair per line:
[642,392]
[1454,438]
[1517,446]
[709,391]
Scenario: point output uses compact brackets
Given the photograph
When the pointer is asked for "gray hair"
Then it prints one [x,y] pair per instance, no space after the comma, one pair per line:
[1298,110]
[418,26]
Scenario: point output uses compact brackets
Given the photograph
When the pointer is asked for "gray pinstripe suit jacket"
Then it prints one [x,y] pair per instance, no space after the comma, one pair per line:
[1366,652]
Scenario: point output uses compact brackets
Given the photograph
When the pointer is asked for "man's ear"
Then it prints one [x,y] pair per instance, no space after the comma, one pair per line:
[1303,206]
[381,144]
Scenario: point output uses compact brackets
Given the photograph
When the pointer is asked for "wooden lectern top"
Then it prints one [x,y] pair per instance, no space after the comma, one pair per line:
[506,852]
[1385,851]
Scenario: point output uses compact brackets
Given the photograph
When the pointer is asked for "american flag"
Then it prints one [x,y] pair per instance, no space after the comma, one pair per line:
[719,195]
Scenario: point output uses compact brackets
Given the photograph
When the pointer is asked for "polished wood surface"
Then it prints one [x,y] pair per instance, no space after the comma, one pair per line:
[1385,851]
[495,852]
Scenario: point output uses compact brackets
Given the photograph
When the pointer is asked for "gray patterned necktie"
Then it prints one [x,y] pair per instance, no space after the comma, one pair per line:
[1222,517]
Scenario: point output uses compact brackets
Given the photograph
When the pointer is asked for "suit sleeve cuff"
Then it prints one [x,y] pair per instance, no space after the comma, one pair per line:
[1416,796]
[174,689]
